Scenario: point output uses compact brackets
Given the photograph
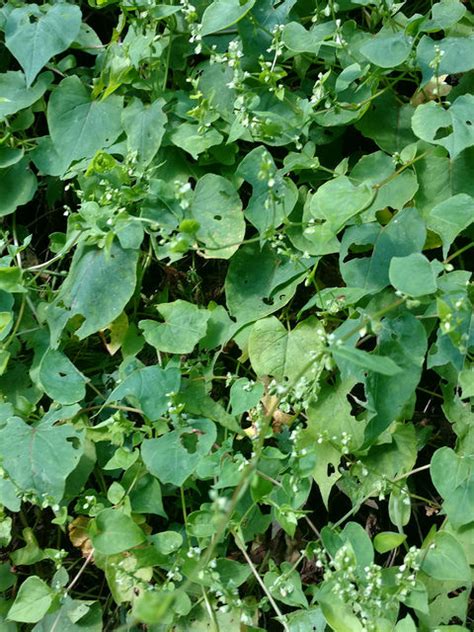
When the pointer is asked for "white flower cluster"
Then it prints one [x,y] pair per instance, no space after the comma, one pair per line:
[282,585]
[436,61]
[220,504]
[366,592]
[227,596]
[319,91]
[183,193]
[232,59]
[191,17]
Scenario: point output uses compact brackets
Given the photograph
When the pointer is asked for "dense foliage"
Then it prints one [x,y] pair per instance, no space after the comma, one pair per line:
[235,315]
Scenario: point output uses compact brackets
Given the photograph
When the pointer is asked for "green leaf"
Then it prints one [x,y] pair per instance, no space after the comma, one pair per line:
[195,396]
[452,128]
[367,361]
[403,339]
[299,40]
[259,282]
[223,13]
[60,378]
[360,543]
[268,206]
[11,279]
[16,96]
[167,542]
[10,156]
[73,616]
[145,127]
[388,540]
[98,286]
[307,619]
[275,351]
[451,217]
[394,457]
[219,327]
[149,389]
[29,554]
[445,560]
[388,123]
[173,457]
[403,235]
[146,498]
[7,578]
[339,200]
[245,395]
[217,208]
[47,159]
[457,56]
[466,382]
[190,138]
[113,532]
[393,192]
[32,601]
[290,590]
[232,572]
[17,186]
[80,127]
[406,625]
[8,495]
[152,607]
[338,614]
[453,477]
[183,327]
[38,459]
[332,404]
[443,15]
[413,275]
[387,49]
[33,35]
[200,524]
[440,178]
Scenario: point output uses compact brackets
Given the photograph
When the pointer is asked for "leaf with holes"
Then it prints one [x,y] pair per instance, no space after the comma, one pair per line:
[39,458]
[259,282]
[452,128]
[60,378]
[217,208]
[98,286]
[173,457]
[34,34]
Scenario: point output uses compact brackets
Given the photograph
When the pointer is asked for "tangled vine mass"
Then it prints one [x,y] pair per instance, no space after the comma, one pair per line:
[235,315]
